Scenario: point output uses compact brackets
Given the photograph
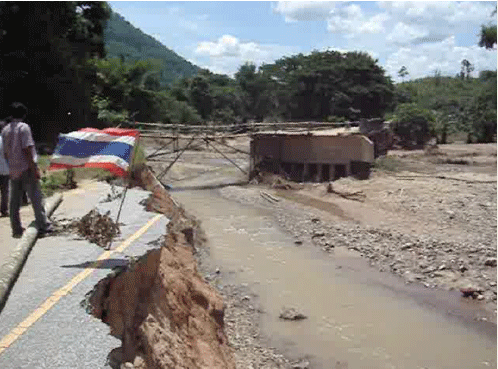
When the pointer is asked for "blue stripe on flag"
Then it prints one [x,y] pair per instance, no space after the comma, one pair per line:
[82,148]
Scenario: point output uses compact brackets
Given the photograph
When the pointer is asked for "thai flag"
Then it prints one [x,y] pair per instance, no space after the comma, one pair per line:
[109,149]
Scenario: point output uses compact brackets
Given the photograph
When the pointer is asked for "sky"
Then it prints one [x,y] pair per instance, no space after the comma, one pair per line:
[221,36]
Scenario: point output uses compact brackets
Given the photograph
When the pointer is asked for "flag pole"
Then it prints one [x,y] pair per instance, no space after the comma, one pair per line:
[127,184]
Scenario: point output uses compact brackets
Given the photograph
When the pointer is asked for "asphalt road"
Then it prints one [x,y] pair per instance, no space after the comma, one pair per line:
[65,336]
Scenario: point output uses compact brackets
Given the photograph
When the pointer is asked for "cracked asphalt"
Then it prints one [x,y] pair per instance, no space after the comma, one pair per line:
[65,336]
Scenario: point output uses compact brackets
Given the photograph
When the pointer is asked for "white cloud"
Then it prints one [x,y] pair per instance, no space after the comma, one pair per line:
[188,25]
[375,24]
[422,60]
[434,21]
[304,10]
[405,34]
[452,12]
[351,20]
[202,17]
[340,18]
[227,53]
[157,36]
[226,45]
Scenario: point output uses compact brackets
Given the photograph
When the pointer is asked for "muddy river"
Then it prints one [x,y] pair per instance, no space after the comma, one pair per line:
[357,317]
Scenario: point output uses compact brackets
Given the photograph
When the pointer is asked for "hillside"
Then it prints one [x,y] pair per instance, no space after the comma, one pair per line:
[123,39]
[457,104]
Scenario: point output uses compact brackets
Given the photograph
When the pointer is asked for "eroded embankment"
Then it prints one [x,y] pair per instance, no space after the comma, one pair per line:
[166,315]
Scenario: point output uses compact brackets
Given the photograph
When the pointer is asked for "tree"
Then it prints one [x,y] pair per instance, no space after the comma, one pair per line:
[253,87]
[43,62]
[403,72]
[412,125]
[329,83]
[467,69]
[437,77]
[488,35]
[457,106]
[200,95]
[482,111]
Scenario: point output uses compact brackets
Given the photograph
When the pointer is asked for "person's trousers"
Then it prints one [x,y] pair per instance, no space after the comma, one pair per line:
[4,193]
[29,183]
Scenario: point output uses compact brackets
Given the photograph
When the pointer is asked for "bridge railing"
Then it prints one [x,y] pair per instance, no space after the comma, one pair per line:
[170,130]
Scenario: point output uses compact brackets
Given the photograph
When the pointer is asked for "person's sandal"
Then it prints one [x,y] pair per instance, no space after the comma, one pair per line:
[46,231]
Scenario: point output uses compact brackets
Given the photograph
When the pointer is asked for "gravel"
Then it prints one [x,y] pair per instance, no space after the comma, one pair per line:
[429,259]
[242,317]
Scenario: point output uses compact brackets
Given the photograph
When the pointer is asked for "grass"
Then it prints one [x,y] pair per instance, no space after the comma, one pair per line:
[387,163]
[454,161]
[55,181]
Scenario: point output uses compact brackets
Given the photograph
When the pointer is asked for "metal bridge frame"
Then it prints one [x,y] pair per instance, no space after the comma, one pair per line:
[214,134]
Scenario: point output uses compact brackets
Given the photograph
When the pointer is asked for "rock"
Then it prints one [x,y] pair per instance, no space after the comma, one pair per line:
[318,234]
[139,362]
[291,314]
[298,242]
[301,364]
[217,271]
[410,278]
[480,297]
[246,298]
[490,262]
[115,358]
[315,220]
[451,214]
[127,366]
[469,291]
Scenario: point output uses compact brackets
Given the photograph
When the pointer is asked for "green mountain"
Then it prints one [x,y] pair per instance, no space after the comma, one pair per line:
[124,40]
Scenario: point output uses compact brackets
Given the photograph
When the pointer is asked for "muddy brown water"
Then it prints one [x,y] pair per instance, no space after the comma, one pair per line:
[357,317]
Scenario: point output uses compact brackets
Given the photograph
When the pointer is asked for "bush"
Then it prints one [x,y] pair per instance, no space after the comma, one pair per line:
[387,164]
[412,125]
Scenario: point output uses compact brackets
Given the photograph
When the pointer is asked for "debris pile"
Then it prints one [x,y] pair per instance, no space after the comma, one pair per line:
[274,181]
[97,228]
[357,196]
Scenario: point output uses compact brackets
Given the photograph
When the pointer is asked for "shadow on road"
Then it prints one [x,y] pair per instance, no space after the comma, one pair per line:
[106,264]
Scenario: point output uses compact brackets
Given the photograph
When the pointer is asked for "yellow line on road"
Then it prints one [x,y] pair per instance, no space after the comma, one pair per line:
[57,295]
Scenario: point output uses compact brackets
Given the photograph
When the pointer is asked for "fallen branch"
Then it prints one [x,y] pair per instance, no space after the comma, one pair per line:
[410,178]
[268,197]
[356,196]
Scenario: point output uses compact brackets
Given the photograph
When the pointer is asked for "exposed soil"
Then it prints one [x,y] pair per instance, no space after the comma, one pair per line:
[161,308]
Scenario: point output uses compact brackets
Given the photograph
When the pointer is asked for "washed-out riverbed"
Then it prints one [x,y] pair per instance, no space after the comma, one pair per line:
[357,317]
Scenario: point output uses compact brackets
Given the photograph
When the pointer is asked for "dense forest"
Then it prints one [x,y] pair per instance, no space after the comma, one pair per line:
[80,64]
[122,40]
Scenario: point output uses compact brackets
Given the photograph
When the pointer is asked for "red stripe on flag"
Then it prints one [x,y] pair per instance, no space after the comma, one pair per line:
[113,168]
[114,131]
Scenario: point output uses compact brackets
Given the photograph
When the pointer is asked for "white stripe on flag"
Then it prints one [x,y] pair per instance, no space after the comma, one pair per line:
[100,137]
[71,160]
